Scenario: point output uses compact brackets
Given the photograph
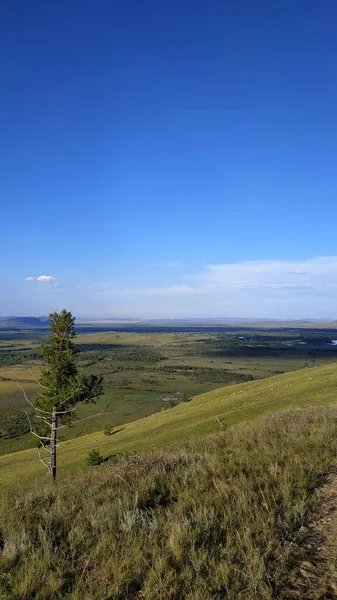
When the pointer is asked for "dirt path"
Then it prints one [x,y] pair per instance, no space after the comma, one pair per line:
[316,578]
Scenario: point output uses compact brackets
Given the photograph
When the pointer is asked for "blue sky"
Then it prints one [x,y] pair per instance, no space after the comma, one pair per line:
[169,158]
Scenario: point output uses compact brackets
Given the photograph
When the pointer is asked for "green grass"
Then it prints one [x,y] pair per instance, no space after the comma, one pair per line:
[117,406]
[140,369]
[218,520]
[232,404]
[129,339]
[11,388]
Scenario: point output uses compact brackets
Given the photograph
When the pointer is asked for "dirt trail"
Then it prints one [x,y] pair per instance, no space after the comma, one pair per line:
[316,578]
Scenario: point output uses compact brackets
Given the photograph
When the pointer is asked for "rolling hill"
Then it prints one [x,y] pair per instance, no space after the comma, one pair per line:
[203,415]
[234,515]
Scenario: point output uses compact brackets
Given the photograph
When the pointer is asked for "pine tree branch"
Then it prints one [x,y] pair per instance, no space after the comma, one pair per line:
[41,459]
[30,402]
[69,398]
[85,418]
[44,448]
[41,437]
[38,382]
[43,419]
[73,394]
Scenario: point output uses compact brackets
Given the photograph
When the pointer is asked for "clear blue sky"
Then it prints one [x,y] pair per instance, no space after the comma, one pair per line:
[169,158]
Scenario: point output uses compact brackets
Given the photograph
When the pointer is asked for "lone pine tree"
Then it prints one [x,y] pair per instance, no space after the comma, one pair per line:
[62,386]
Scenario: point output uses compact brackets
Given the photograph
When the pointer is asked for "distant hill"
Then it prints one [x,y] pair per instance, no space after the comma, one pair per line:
[14,322]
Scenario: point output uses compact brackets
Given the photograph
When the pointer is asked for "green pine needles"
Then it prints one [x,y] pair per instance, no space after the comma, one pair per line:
[62,385]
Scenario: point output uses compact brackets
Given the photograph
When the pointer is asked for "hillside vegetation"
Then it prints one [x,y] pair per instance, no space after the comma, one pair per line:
[205,414]
[144,370]
[219,519]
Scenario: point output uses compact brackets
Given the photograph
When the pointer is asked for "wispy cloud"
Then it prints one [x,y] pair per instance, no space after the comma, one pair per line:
[255,288]
[318,272]
[299,272]
[51,279]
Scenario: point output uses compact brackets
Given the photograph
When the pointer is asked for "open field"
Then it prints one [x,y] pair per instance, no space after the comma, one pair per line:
[145,371]
[129,339]
[230,405]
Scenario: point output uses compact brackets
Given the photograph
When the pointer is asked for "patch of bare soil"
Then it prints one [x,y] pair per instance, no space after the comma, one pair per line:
[316,578]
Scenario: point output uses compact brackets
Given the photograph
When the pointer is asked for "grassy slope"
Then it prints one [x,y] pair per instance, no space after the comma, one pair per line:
[232,404]
[220,519]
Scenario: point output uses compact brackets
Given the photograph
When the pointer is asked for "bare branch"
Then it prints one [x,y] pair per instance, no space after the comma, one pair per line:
[108,404]
[41,459]
[38,382]
[41,437]
[85,418]
[30,402]
[43,419]
[25,395]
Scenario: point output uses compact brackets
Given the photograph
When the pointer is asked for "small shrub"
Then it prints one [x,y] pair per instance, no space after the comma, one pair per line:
[108,429]
[94,458]
[186,398]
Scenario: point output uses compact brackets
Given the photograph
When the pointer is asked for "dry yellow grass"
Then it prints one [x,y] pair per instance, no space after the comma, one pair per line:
[19,372]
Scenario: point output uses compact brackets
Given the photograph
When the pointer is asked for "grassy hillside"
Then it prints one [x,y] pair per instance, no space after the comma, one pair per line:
[220,519]
[141,370]
[201,416]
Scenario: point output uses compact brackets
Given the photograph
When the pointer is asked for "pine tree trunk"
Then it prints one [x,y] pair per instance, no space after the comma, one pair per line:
[53,441]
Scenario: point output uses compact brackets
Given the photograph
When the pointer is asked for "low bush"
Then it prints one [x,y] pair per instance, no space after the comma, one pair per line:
[94,458]
[108,429]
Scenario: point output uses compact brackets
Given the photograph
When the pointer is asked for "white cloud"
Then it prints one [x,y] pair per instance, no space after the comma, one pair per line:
[44,279]
[270,274]
[266,286]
